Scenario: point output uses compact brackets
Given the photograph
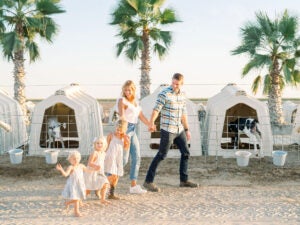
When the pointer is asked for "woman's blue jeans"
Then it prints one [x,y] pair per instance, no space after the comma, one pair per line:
[166,139]
[134,152]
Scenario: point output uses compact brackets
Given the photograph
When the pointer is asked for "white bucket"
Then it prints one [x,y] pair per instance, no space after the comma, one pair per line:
[279,157]
[15,156]
[242,158]
[51,156]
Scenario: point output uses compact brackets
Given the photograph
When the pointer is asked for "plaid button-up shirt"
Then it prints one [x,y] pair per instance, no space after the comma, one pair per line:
[172,106]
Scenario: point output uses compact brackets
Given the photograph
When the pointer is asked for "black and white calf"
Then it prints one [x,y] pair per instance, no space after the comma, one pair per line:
[54,131]
[250,127]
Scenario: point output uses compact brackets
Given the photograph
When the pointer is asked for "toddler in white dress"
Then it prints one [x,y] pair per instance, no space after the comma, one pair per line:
[74,190]
[97,180]
[113,166]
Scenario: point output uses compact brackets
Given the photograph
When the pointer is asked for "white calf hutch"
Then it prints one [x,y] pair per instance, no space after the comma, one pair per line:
[225,107]
[289,109]
[149,142]
[67,120]
[296,127]
[13,132]
[287,134]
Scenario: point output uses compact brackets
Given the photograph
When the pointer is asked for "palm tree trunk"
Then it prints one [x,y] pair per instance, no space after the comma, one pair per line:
[145,67]
[19,83]
[275,98]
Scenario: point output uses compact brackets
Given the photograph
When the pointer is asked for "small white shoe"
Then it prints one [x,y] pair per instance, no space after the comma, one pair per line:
[137,190]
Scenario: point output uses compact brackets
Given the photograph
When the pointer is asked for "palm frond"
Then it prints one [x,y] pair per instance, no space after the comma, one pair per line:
[133,49]
[251,39]
[265,23]
[287,73]
[33,50]
[166,37]
[134,4]
[297,53]
[267,84]
[2,27]
[50,29]
[122,14]
[7,3]
[154,33]
[288,26]
[10,43]
[120,47]
[256,84]
[282,82]
[258,61]
[168,16]
[160,50]
[296,77]
[48,7]
[157,3]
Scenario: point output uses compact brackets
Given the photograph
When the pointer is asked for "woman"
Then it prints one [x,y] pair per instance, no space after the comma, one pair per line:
[129,110]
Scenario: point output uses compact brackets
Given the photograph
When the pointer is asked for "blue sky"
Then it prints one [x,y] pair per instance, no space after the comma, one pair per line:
[84,51]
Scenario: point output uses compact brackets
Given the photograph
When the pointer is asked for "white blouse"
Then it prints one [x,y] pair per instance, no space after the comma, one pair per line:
[132,112]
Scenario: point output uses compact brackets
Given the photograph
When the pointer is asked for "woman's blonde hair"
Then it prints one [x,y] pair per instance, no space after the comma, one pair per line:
[101,139]
[128,84]
[74,154]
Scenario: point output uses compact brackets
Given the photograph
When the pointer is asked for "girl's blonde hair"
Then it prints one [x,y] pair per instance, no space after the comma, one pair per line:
[74,154]
[128,84]
[101,139]
[121,123]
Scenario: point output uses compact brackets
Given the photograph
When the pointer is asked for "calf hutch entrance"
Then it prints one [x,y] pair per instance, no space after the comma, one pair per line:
[232,115]
[68,120]
[59,129]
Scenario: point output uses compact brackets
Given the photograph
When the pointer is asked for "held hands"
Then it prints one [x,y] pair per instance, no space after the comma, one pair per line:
[152,127]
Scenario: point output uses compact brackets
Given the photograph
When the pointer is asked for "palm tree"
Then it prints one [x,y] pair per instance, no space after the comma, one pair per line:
[139,23]
[273,49]
[21,22]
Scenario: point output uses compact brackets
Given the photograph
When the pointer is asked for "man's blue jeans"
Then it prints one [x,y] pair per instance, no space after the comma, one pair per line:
[134,152]
[166,139]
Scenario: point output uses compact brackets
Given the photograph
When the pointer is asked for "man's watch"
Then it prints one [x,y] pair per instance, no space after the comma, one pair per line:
[186,129]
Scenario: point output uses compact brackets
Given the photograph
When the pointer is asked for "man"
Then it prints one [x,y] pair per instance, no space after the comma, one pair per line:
[174,128]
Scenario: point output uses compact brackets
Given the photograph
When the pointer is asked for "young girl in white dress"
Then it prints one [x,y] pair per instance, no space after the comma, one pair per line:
[97,180]
[74,190]
[113,166]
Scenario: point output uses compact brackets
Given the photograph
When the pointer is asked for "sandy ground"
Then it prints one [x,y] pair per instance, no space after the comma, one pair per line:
[260,193]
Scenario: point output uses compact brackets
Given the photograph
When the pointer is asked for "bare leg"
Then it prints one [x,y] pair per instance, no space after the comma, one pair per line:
[76,208]
[103,194]
[81,203]
[113,180]
[68,203]
[97,193]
